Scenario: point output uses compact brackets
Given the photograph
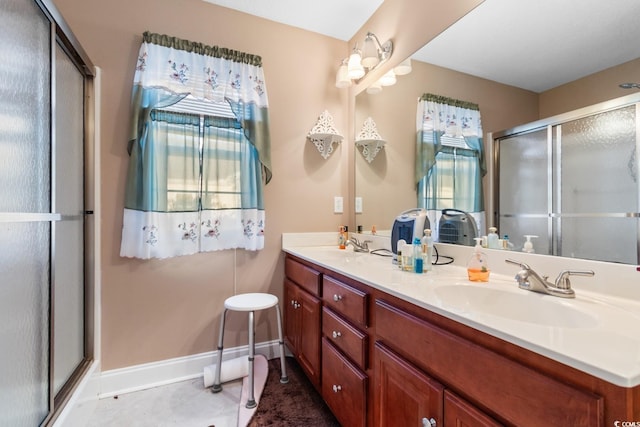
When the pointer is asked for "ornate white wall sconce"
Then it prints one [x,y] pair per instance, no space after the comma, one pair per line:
[324,134]
[369,140]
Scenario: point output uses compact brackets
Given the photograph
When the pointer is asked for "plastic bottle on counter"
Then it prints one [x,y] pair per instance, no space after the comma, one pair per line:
[528,245]
[492,238]
[477,267]
[417,256]
[342,238]
[399,248]
[407,257]
[427,251]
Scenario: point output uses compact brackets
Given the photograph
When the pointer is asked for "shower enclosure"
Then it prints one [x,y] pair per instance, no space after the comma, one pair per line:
[45,223]
[572,180]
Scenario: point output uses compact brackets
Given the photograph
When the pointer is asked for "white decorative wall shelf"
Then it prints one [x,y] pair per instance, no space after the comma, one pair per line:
[324,135]
[370,140]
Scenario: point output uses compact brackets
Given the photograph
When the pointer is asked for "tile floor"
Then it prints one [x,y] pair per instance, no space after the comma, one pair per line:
[183,404]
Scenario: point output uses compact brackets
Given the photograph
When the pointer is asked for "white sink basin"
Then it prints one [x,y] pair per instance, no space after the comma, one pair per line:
[519,305]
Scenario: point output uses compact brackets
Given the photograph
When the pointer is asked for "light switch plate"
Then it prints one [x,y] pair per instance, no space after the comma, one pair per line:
[358,205]
[338,204]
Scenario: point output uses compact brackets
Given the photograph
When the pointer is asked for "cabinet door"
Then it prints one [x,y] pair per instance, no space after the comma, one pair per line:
[460,413]
[344,387]
[404,395]
[291,316]
[309,335]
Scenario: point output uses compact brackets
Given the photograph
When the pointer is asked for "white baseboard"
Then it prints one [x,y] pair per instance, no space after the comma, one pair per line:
[99,385]
[148,375]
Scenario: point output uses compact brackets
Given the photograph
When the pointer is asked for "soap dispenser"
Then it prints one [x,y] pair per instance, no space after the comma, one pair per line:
[477,267]
[492,238]
[528,246]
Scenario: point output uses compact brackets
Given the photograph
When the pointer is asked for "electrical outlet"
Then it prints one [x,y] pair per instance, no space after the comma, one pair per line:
[358,205]
[338,205]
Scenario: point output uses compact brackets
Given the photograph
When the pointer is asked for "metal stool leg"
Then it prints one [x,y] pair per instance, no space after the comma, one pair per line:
[283,368]
[216,379]
[251,401]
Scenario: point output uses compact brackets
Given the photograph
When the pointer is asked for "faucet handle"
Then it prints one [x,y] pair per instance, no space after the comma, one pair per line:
[562,282]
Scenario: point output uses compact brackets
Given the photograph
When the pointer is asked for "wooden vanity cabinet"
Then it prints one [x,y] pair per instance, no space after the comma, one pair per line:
[514,392]
[384,361]
[302,317]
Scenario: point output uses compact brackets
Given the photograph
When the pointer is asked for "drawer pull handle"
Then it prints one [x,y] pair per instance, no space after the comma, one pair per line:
[293,303]
[336,388]
[336,334]
[428,422]
[337,297]
[296,305]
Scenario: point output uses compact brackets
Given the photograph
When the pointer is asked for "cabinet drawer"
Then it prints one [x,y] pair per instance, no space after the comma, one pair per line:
[344,387]
[518,393]
[346,337]
[345,300]
[305,277]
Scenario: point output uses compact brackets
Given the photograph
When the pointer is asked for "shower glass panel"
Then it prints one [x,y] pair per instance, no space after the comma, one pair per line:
[596,186]
[578,174]
[68,277]
[524,183]
[24,213]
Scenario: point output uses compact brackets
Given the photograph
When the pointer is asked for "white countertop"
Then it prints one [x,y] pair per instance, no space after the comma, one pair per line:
[594,333]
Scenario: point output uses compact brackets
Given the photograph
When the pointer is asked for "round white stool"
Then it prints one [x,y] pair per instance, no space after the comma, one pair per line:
[251,303]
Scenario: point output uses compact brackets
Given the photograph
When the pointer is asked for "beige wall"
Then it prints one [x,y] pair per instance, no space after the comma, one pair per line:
[160,309]
[589,90]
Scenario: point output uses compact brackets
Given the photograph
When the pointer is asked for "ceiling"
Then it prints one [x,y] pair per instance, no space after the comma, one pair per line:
[339,19]
[535,44]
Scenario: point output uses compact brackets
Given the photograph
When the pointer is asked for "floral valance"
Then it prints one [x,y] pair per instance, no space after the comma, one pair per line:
[169,69]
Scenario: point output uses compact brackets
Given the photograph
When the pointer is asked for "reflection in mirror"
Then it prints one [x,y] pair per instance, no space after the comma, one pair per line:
[572,180]
[386,185]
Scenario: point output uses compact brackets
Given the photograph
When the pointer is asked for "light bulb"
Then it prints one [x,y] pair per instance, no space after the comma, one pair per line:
[356,70]
[388,79]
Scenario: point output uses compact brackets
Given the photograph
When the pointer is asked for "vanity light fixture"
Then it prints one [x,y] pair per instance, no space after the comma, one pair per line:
[369,140]
[324,135]
[360,62]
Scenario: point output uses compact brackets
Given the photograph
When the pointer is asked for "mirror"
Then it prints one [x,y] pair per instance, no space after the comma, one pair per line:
[386,185]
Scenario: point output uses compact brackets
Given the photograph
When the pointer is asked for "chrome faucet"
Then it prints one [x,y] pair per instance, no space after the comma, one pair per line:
[357,245]
[531,281]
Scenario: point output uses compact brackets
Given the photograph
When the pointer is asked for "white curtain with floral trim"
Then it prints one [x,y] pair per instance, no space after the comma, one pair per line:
[195,180]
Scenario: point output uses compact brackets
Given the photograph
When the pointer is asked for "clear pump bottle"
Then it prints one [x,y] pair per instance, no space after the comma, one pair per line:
[427,251]
[492,238]
[477,267]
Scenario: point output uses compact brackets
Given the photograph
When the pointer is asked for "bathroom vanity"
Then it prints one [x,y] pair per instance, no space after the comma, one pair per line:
[389,348]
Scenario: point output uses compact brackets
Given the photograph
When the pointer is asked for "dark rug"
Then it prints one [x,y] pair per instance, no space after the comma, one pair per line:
[295,404]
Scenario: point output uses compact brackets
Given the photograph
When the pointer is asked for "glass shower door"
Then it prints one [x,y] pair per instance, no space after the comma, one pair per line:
[524,184]
[25,214]
[596,180]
